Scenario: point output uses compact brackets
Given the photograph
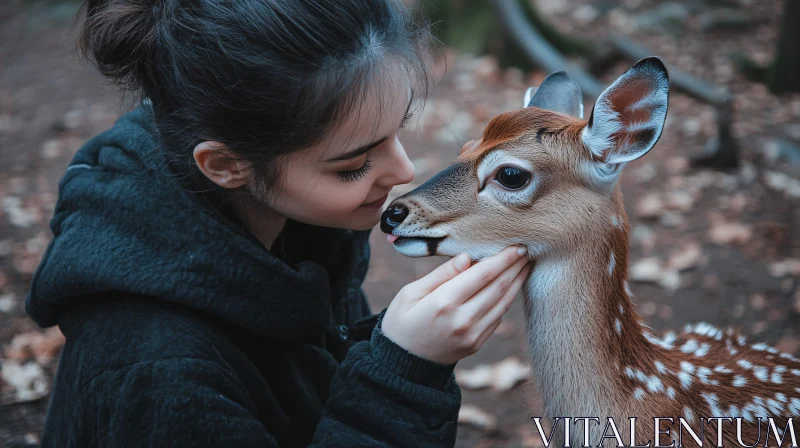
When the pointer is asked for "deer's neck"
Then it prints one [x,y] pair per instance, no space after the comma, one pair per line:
[582,328]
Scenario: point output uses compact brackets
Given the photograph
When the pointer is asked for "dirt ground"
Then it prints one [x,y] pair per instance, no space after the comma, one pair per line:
[706,246]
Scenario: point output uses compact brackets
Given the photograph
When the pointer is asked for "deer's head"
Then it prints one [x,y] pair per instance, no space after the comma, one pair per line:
[541,175]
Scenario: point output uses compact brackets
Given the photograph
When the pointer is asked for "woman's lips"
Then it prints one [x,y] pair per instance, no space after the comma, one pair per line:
[377,203]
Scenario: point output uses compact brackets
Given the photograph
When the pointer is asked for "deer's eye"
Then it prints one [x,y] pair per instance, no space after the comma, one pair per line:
[512,177]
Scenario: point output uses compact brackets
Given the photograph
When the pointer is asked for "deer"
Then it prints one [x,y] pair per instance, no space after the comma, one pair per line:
[544,177]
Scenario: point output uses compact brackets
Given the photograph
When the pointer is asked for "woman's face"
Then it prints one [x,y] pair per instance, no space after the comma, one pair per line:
[344,181]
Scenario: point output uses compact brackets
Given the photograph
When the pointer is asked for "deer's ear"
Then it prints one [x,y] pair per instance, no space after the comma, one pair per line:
[629,115]
[558,93]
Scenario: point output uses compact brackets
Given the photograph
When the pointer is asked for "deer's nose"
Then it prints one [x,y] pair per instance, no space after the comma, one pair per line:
[392,217]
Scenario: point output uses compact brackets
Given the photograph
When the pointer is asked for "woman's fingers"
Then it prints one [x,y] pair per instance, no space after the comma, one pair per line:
[440,275]
[495,313]
[487,297]
[464,286]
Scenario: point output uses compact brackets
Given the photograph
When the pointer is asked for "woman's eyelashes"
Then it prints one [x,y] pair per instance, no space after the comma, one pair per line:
[406,119]
[359,173]
[356,174]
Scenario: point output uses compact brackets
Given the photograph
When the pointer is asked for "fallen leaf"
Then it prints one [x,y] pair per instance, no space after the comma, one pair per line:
[783,183]
[729,233]
[650,206]
[680,200]
[646,270]
[7,302]
[670,280]
[758,302]
[647,309]
[501,376]
[42,346]
[27,380]
[51,149]
[790,266]
[688,257]
[474,416]
[18,216]
[671,219]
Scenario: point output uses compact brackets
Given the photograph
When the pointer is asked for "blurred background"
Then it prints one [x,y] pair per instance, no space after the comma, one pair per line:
[713,208]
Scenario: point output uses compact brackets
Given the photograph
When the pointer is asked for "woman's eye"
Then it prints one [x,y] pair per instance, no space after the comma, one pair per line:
[356,174]
[512,178]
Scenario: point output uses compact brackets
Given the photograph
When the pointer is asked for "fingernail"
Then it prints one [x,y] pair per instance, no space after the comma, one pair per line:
[522,251]
[462,261]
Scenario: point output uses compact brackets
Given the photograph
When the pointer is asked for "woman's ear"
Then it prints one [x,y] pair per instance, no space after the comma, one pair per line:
[219,165]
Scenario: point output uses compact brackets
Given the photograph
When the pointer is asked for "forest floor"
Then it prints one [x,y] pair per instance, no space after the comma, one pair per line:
[705,246]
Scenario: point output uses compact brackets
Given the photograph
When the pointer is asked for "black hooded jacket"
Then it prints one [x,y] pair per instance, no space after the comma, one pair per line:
[182,330]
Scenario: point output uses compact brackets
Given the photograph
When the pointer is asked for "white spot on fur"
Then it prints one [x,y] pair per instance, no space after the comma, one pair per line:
[688,414]
[789,357]
[687,367]
[794,406]
[660,367]
[615,221]
[722,369]
[628,289]
[703,373]
[775,407]
[621,309]
[742,340]
[665,342]
[705,329]
[702,350]
[761,373]
[689,346]
[638,393]
[671,392]
[654,384]
[611,264]
[686,379]
[776,378]
[618,326]
[713,404]
[780,397]
[739,381]
[745,364]
[796,372]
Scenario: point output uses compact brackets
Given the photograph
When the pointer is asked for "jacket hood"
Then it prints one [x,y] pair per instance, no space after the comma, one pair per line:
[123,224]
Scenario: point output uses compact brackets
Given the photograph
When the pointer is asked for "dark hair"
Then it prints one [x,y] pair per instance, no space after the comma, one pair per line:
[263,77]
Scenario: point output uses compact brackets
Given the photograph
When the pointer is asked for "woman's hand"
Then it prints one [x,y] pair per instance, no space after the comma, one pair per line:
[448,314]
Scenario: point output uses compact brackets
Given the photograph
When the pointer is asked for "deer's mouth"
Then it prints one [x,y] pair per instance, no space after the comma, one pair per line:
[416,246]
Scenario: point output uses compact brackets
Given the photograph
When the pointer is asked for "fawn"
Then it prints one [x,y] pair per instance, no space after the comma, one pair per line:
[544,177]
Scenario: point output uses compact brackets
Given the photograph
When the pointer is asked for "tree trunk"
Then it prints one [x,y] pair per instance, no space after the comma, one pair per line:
[784,74]
[472,26]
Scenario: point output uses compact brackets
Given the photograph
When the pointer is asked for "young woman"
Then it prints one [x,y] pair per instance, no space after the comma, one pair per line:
[210,247]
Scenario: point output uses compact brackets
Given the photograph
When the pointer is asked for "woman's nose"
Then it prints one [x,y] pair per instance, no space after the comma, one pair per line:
[401,169]
[393,217]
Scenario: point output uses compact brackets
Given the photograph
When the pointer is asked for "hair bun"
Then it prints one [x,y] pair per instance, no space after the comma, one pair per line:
[119,37]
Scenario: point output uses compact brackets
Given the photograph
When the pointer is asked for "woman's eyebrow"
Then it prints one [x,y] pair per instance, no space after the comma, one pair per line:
[357,152]
[362,149]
